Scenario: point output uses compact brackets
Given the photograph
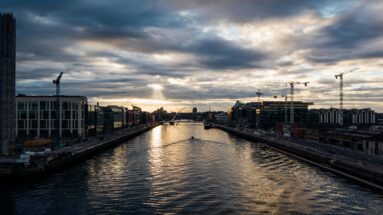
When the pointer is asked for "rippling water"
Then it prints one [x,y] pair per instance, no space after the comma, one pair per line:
[164,171]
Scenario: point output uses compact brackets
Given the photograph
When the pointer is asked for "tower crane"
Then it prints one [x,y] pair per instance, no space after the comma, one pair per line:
[58,110]
[259,94]
[292,84]
[286,97]
[340,75]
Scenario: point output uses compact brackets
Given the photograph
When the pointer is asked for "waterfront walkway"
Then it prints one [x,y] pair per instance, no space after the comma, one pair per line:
[346,162]
[39,162]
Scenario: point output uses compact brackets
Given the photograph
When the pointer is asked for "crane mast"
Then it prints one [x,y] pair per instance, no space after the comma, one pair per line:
[340,76]
[58,110]
[285,97]
[259,94]
[292,85]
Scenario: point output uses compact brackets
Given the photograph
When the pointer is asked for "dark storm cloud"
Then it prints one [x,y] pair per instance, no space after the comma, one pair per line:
[249,10]
[349,36]
[216,53]
[354,28]
[50,35]
[213,92]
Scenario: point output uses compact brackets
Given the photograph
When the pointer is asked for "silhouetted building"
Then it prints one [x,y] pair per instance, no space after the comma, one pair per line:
[379,118]
[118,115]
[369,142]
[245,114]
[222,118]
[7,83]
[351,117]
[36,116]
[160,114]
[195,112]
[94,120]
[273,112]
[147,118]
[267,114]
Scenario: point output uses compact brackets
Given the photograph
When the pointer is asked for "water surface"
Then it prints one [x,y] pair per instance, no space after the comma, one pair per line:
[164,171]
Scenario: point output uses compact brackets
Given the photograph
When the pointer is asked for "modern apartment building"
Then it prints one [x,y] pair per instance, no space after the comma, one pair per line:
[36,116]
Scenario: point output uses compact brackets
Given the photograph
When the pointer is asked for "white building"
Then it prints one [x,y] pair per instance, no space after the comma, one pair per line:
[374,146]
[350,116]
[36,116]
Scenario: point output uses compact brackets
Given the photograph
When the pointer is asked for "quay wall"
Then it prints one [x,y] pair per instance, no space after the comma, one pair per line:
[354,171]
[42,164]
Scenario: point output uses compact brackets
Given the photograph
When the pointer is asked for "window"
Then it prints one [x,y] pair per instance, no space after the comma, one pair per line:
[33,124]
[65,105]
[21,105]
[67,114]
[33,105]
[20,124]
[43,105]
[23,115]
[43,124]
[65,124]
[44,133]
[44,114]
[32,115]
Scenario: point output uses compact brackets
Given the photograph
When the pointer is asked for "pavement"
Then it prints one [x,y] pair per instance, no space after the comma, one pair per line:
[335,152]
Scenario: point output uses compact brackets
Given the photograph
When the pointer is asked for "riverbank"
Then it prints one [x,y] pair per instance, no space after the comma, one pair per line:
[34,164]
[370,174]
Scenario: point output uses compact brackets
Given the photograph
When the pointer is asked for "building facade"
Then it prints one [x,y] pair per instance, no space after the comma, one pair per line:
[273,112]
[222,118]
[94,120]
[7,83]
[267,114]
[331,116]
[36,116]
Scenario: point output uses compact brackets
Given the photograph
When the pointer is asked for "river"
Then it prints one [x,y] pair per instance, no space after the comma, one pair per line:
[165,171]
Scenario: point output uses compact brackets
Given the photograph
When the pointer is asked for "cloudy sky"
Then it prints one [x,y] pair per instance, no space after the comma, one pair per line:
[176,53]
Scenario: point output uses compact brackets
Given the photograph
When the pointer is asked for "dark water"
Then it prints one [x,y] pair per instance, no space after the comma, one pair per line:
[159,173]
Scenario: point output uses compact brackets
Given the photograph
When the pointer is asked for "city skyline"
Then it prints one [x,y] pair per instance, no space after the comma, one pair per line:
[193,53]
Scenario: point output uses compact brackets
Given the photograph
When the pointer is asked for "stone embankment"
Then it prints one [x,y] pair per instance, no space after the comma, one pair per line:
[360,170]
[42,162]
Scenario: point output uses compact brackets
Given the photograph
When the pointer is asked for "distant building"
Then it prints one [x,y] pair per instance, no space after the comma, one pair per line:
[134,116]
[160,114]
[222,118]
[369,142]
[195,110]
[36,116]
[273,112]
[195,113]
[7,83]
[245,114]
[351,117]
[147,118]
[267,114]
[94,120]
[118,115]
[137,115]
[379,118]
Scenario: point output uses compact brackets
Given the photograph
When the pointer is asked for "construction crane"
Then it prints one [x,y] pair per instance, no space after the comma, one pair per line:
[286,97]
[259,94]
[292,84]
[58,110]
[340,75]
